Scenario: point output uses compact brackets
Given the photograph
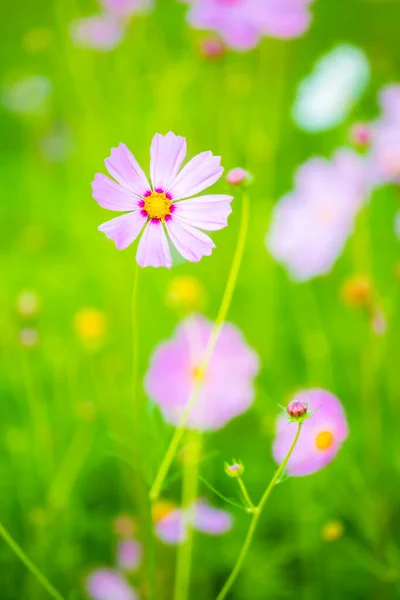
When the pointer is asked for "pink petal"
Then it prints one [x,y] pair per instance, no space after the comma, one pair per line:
[106,584]
[123,166]
[211,520]
[206,212]
[199,173]
[153,249]
[191,243]
[111,195]
[167,153]
[124,229]
[129,554]
[172,529]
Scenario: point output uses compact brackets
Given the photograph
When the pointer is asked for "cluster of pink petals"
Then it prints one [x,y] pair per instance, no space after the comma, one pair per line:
[187,218]
[241,23]
[173,528]
[311,225]
[104,31]
[384,155]
[228,387]
[327,419]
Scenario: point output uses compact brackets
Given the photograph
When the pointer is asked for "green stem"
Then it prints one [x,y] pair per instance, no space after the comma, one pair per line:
[189,494]
[29,564]
[142,490]
[245,493]
[254,521]
[222,313]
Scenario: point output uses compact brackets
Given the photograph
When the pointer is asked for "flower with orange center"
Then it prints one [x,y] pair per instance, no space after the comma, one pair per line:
[321,436]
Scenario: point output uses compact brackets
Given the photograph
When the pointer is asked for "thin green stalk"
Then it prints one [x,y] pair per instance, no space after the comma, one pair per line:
[254,521]
[189,495]
[29,564]
[222,313]
[139,417]
[245,494]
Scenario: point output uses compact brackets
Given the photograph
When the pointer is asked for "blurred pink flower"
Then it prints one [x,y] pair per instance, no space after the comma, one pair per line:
[237,176]
[321,435]
[228,388]
[107,584]
[310,225]
[384,158]
[129,554]
[126,8]
[101,32]
[173,527]
[241,23]
[154,208]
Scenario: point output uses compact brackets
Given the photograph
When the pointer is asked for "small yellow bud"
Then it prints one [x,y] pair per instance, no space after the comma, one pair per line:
[90,327]
[332,531]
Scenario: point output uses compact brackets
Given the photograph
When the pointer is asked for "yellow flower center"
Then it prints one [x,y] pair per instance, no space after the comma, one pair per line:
[161,509]
[157,205]
[324,440]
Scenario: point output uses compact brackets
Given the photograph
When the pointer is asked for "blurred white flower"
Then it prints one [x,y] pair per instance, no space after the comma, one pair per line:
[29,95]
[336,83]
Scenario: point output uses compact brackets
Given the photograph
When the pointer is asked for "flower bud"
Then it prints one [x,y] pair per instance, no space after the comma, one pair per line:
[357,292]
[297,409]
[332,531]
[238,176]
[234,470]
[212,48]
[361,135]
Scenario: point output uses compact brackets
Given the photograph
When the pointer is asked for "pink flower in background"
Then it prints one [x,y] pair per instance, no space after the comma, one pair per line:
[126,8]
[310,225]
[228,388]
[152,209]
[241,23]
[107,584]
[384,158]
[101,32]
[129,554]
[321,435]
[173,527]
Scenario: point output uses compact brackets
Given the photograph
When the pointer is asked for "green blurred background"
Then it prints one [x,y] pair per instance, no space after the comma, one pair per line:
[66,424]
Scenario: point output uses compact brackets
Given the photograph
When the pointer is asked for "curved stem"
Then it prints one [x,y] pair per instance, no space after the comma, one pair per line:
[256,515]
[29,564]
[219,322]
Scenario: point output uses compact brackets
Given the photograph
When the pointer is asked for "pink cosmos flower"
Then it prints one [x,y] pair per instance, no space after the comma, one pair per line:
[310,225]
[107,584]
[173,527]
[241,23]
[384,159]
[126,8]
[157,209]
[129,554]
[101,32]
[228,388]
[321,436]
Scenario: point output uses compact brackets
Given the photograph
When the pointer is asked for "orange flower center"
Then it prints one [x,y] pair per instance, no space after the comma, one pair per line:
[157,205]
[324,440]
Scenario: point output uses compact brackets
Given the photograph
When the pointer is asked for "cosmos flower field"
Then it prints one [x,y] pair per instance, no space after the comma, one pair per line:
[200,300]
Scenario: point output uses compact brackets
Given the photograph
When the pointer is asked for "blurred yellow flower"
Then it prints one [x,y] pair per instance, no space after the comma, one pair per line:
[27,303]
[332,531]
[185,294]
[357,292]
[161,509]
[91,326]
